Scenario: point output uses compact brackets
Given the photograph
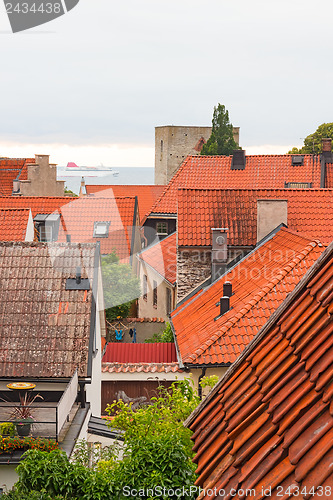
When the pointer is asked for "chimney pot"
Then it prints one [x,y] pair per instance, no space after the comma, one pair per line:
[227,289]
[224,305]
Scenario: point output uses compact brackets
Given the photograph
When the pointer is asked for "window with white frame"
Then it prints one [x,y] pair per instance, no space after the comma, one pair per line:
[162,228]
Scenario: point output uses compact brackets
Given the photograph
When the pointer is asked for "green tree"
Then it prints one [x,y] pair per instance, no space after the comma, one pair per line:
[221,141]
[157,447]
[121,287]
[313,142]
[157,452]
[165,335]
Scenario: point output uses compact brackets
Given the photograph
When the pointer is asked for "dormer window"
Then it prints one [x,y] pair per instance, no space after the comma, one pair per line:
[47,226]
[101,229]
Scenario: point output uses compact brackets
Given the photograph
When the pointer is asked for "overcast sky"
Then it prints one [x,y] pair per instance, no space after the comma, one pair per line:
[91,86]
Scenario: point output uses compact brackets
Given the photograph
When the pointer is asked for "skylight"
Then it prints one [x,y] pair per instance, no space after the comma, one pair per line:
[101,229]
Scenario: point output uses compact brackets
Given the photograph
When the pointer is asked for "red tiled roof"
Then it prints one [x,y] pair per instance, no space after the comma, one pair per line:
[261,172]
[160,352]
[135,358]
[162,256]
[13,224]
[260,282]
[79,216]
[310,212]
[11,169]
[37,204]
[329,175]
[146,194]
[268,423]
[44,328]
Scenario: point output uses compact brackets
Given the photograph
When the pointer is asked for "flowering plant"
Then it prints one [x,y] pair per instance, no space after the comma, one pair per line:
[10,444]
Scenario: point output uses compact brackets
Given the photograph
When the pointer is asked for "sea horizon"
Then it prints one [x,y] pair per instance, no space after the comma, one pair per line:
[127,175]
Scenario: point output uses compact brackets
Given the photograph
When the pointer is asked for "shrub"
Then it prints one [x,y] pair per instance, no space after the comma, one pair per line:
[165,335]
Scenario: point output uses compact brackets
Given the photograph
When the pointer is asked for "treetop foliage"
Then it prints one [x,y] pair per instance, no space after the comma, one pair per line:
[313,142]
[221,141]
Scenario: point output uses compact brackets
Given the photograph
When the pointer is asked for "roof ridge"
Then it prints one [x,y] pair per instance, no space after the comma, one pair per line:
[266,289]
[298,190]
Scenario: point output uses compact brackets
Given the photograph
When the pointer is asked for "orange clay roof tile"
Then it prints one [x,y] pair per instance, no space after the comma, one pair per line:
[146,194]
[310,212]
[37,204]
[13,224]
[292,448]
[11,169]
[80,215]
[261,172]
[162,256]
[202,339]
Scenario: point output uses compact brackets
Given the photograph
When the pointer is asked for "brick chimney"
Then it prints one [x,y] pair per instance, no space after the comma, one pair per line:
[327,144]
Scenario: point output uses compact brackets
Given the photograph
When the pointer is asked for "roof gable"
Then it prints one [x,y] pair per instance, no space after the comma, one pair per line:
[162,257]
[260,283]
[268,422]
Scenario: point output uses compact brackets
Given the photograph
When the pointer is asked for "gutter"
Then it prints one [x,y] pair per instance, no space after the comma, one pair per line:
[91,349]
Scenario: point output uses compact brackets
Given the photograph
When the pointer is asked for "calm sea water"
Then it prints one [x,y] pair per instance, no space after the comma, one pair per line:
[127,175]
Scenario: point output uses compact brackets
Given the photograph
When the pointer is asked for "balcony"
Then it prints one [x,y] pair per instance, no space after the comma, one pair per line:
[51,414]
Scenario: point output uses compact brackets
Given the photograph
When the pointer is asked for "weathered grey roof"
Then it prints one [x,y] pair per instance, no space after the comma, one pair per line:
[44,329]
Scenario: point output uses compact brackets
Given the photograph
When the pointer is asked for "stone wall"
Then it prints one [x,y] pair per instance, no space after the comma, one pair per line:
[193,267]
[173,144]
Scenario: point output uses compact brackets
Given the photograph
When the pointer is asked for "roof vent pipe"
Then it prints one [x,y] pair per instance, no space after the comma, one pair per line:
[78,275]
[227,289]
[224,305]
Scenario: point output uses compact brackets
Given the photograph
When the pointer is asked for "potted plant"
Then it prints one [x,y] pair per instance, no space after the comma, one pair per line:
[22,415]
